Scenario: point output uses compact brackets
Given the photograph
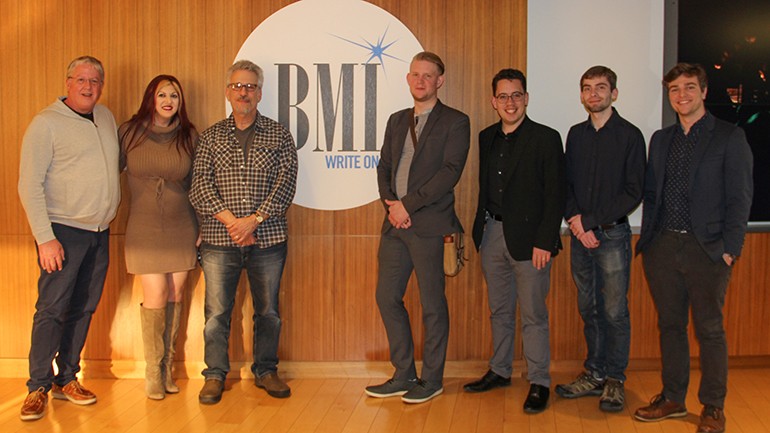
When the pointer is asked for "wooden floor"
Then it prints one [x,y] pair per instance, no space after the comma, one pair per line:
[340,405]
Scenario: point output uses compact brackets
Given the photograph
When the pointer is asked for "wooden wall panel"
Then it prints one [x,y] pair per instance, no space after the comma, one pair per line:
[327,296]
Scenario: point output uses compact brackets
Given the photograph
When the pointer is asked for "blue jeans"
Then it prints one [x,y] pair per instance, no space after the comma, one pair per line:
[222,269]
[601,275]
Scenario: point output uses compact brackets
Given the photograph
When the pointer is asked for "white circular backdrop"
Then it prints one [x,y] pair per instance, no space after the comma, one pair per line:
[323,35]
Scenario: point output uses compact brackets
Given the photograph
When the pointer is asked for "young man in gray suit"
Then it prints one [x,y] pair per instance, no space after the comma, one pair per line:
[697,197]
[423,156]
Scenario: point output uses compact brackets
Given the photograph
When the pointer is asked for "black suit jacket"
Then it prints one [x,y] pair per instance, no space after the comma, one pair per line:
[720,187]
[535,192]
[437,164]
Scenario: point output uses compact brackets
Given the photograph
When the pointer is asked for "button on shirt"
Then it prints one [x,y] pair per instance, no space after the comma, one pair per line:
[224,180]
[676,202]
[499,167]
[605,170]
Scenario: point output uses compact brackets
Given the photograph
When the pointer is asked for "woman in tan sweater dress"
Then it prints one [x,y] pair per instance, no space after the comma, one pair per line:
[157,147]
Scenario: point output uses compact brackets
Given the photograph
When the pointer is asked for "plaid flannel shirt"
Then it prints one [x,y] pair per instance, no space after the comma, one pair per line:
[222,180]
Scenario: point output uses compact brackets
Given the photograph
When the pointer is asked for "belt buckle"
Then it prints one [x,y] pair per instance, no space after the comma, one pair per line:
[677,231]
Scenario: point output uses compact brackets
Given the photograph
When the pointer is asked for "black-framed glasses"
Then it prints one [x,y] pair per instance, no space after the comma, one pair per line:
[238,86]
[504,97]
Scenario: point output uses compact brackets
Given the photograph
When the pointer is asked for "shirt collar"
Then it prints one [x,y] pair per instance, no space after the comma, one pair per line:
[612,121]
[259,122]
[515,132]
[696,127]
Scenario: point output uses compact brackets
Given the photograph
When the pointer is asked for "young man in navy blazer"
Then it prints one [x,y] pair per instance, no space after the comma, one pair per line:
[697,197]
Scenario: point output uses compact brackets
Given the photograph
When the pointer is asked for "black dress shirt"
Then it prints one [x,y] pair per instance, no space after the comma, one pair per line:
[676,207]
[499,157]
[605,171]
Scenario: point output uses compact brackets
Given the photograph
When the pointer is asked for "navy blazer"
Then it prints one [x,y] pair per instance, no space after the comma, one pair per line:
[438,162]
[720,187]
[535,194]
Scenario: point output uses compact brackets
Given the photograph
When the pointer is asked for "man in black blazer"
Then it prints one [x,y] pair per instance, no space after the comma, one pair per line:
[416,184]
[522,195]
[697,198]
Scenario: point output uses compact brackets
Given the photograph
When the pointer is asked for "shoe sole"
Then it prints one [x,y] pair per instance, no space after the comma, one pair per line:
[381,395]
[62,396]
[422,400]
[531,410]
[566,394]
[471,390]
[276,394]
[671,415]
[32,417]
[209,400]
[610,408]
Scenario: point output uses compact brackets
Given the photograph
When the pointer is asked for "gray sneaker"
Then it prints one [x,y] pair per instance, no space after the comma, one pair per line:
[585,384]
[391,388]
[613,397]
[422,392]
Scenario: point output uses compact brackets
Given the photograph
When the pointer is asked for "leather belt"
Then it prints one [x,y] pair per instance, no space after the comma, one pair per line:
[614,224]
[495,216]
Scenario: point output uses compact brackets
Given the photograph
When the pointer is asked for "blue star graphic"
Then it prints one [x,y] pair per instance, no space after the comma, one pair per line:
[375,51]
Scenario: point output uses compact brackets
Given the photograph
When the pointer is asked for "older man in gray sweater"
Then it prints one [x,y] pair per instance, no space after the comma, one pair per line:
[69,187]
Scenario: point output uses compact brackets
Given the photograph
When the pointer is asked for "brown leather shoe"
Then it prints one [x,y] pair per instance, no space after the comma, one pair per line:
[273,384]
[74,392]
[660,408]
[34,405]
[712,420]
[211,392]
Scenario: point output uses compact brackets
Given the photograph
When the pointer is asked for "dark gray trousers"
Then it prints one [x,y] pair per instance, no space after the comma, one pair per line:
[682,277]
[402,251]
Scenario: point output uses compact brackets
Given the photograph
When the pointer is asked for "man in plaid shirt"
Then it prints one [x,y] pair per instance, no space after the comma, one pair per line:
[244,178]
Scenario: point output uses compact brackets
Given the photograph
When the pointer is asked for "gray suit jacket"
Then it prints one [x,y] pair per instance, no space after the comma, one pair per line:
[720,187]
[438,162]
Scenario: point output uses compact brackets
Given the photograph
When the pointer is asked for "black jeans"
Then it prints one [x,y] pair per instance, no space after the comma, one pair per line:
[681,277]
[66,301]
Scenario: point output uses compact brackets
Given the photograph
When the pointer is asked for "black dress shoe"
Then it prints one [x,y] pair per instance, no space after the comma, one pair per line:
[537,399]
[490,380]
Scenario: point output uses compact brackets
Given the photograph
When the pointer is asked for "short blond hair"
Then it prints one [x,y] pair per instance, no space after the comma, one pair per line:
[432,58]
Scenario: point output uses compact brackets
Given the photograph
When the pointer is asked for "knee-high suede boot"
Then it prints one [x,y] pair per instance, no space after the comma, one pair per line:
[173,314]
[153,323]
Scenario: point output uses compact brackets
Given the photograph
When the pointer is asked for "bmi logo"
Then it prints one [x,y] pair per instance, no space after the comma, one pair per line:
[334,72]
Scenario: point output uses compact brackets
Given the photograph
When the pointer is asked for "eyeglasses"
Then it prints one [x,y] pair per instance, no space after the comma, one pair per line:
[238,86]
[504,97]
[82,81]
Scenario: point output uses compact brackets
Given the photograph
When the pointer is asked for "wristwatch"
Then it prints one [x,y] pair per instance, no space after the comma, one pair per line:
[258,217]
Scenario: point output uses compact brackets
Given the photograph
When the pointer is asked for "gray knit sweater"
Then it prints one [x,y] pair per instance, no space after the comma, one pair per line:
[68,172]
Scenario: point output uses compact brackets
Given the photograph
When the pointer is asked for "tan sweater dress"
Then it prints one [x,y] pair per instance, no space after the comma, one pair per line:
[162,227]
